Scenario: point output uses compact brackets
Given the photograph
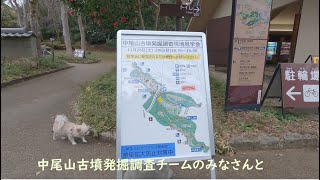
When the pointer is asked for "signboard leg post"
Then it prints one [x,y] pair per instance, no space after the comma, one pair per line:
[212,172]
[282,108]
[178,24]
[119,174]
[268,88]
[178,19]
[308,59]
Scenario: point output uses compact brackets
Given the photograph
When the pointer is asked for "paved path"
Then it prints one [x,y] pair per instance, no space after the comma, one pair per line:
[26,111]
[26,138]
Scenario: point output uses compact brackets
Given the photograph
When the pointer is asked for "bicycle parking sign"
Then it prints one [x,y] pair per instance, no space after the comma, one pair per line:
[300,85]
[296,86]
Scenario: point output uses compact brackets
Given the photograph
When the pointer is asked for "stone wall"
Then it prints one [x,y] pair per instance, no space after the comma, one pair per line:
[18,47]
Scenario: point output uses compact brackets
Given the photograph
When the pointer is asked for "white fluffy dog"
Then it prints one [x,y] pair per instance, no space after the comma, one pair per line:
[64,128]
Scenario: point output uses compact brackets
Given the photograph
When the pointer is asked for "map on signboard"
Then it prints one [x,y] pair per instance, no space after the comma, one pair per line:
[165,104]
[252,19]
[166,107]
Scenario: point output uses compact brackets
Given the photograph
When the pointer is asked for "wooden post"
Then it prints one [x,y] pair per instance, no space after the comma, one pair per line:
[178,19]
[179,11]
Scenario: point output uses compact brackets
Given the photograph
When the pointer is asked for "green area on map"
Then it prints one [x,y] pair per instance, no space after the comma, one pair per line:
[251,18]
[166,107]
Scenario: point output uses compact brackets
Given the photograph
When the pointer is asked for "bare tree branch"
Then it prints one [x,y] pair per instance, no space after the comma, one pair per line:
[18,10]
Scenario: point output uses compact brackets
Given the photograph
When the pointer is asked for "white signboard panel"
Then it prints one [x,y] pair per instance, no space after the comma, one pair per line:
[79,53]
[163,96]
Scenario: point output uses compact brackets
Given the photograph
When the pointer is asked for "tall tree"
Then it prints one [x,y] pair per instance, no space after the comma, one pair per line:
[82,32]
[8,17]
[50,21]
[34,7]
[156,7]
[138,4]
[65,27]
[156,13]
[26,9]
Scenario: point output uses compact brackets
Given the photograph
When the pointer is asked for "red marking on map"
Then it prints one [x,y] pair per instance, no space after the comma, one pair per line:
[188,88]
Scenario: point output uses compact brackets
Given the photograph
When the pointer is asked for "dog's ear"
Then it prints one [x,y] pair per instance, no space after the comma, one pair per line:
[83,124]
[78,129]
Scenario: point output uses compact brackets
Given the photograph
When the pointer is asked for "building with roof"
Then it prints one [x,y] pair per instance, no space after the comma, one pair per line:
[17,43]
[293,30]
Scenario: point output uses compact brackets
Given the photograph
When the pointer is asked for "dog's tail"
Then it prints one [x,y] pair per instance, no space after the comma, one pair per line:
[60,120]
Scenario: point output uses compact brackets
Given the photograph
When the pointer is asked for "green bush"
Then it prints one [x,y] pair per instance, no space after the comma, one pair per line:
[95,36]
[47,33]
[17,68]
[111,43]
[97,103]
[90,58]
[47,63]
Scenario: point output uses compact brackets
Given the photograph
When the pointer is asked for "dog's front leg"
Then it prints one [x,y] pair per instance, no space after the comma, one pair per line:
[54,136]
[71,139]
[83,139]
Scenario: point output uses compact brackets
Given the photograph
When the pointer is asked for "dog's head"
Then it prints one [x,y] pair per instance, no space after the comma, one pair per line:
[83,129]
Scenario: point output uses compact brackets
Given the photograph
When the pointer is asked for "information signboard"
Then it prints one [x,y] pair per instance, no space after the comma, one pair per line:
[79,53]
[163,96]
[296,84]
[300,85]
[180,10]
[248,53]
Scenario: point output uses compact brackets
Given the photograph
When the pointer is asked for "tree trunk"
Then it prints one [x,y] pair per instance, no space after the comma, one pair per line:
[35,23]
[65,27]
[25,15]
[82,33]
[166,21]
[157,12]
[140,15]
[156,18]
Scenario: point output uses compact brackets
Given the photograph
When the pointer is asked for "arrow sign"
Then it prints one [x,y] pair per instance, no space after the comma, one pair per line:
[177,10]
[290,93]
[196,10]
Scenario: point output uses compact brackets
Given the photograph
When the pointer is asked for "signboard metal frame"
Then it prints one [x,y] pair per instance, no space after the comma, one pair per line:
[265,96]
[311,58]
[208,94]
[254,107]
[269,87]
